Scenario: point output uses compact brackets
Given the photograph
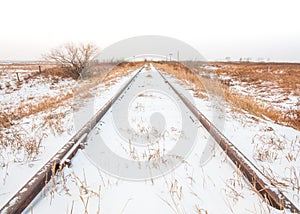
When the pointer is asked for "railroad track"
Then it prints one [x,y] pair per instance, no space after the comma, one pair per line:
[265,188]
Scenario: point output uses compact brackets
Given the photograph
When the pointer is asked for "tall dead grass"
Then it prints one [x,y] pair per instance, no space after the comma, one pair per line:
[247,103]
[24,110]
[284,75]
[24,143]
[190,79]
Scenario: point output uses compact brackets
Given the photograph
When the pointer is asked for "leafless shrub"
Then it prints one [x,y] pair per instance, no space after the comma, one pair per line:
[73,58]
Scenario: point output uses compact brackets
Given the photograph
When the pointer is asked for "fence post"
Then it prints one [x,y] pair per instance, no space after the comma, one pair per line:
[18,77]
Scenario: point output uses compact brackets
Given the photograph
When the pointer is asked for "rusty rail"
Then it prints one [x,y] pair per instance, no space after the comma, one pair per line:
[33,187]
[260,183]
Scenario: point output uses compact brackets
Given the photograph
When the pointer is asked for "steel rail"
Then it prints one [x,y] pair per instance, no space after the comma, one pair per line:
[268,191]
[34,186]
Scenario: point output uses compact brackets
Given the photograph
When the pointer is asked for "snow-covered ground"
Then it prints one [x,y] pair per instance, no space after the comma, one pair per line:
[269,93]
[30,91]
[92,185]
[189,188]
[266,93]
[46,131]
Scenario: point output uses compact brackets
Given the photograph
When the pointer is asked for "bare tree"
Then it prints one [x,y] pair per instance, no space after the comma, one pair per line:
[73,58]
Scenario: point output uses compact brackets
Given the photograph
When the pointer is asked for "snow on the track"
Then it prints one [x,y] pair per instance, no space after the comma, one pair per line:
[192,187]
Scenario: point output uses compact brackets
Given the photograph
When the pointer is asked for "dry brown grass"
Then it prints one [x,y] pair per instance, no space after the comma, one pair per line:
[190,79]
[24,143]
[54,72]
[121,70]
[106,77]
[27,66]
[27,109]
[247,103]
[22,146]
[19,142]
[284,75]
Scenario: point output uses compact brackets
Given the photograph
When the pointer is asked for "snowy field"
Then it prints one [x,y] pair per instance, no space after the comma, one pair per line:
[272,86]
[91,185]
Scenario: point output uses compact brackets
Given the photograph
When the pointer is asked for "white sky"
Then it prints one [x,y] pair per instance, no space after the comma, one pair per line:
[217,28]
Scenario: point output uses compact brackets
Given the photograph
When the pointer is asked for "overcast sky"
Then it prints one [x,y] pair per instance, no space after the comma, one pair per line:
[216,28]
